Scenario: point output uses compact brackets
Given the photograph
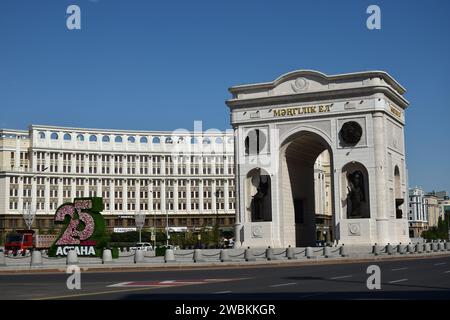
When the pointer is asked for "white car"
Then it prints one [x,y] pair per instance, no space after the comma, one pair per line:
[144,246]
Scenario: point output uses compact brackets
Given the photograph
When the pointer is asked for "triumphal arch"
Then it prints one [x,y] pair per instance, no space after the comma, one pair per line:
[320,157]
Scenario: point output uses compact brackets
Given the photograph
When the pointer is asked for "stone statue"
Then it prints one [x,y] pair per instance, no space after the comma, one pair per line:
[356,194]
[258,199]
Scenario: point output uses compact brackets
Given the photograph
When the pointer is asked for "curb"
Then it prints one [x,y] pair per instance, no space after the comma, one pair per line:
[220,265]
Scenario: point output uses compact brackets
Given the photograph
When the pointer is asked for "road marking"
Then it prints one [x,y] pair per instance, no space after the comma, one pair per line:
[398,269]
[448,271]
[395,281]
[341,277]
[221,292]
[283,284]
[439,264]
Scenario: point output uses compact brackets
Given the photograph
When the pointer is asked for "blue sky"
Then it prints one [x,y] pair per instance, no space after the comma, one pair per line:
[160,65]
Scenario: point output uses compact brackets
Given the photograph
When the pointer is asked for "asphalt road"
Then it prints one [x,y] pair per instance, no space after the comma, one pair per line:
[408,279]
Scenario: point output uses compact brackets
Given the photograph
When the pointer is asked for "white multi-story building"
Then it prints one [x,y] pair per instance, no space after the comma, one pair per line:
[418,213]
[188,175]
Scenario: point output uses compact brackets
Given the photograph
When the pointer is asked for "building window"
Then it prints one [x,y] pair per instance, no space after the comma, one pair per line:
[131,139]
[54,136]
[80,138]
[93,138]
[105,139]
[41,135]
[144,140]
[118,139]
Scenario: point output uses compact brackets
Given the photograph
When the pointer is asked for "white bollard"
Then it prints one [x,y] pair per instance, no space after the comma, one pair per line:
[2,259]
[376,250]
[138,256]
[326,251]
[269,254]
[309,253]
[441,246]
[248,256]
[389,249]
[434,246]
[224,256]
[447,246]
[106,256]
[401,248]
[36,258]
[290,253]
[169,256]
[427,247]
[411,248]
[72,257]
[198,256]
[343,251]
[419,248]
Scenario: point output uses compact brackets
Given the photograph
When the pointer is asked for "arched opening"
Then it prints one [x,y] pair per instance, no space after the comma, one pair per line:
[259,195]
[355,185]
[307,183]
[398,194]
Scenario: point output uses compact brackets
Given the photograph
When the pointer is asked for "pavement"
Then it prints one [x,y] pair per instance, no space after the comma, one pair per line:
[413,278]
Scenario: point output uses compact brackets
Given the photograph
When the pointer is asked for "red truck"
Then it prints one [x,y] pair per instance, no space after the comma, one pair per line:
[22,240]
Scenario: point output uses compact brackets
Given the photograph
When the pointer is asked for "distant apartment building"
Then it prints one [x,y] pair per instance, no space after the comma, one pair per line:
[418,214]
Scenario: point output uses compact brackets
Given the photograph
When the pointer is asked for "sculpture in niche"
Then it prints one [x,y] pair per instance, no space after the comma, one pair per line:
[257,205]
[356,194]
[351,133]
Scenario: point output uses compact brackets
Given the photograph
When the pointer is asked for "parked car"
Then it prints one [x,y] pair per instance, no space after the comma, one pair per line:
[144,246]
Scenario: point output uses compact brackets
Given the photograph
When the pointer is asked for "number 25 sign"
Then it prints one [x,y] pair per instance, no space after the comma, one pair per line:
[84,226]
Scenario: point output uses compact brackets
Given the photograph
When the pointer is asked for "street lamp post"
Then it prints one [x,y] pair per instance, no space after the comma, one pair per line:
[218,193]
[139,219]
[167,228]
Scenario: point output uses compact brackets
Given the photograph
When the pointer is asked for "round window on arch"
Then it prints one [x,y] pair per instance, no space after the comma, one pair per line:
[255,142]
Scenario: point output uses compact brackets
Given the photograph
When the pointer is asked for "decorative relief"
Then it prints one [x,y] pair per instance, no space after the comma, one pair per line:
[257,232]
[354,229]
[300,85]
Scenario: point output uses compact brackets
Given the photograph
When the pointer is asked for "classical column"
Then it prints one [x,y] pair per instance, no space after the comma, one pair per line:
[138,195]
[163,195]
[99,187]
[47,161]
[380,181]
[60,191]
[33,161]
[47,195]
[86,164]
[20,204]
[111,164]
[125,196]
[17,155]
[99,163]
[200,195]
[226,195]
[111,195]
[60,161]
[73,162]
[73,188]
[175,195]
[214,207]
[150,196]
[86,187]
[188,196]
